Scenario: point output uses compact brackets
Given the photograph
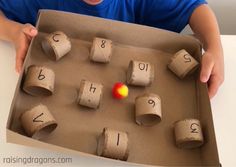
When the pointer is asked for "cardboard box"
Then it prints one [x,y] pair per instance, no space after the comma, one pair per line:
[79,127]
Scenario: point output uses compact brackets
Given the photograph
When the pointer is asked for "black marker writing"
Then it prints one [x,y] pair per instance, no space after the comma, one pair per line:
[187,58]
[143,66]
[118,139]
[41,76]
[152,102]
[92,89]
[194,128]
[54,39]
[36,118]
[103,44]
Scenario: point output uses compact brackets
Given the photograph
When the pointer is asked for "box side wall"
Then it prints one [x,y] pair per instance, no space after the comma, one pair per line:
[209,152]
[14,100]
[124,33]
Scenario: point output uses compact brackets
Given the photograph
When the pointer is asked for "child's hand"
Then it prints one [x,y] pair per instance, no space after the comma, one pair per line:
[204,24]
[24,35]
[212,70]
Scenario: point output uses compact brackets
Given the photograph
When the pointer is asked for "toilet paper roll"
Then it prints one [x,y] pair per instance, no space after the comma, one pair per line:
[101,50]
[56,45]
[140,73]
[90,94]
[188,133]
[183,64]
[148,109]
[39,81]
[113,144]
[38,122]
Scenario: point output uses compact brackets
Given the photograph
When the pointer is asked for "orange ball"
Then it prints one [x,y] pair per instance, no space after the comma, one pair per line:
[120,90]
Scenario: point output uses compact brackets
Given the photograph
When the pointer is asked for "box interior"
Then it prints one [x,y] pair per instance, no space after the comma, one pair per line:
[79,127]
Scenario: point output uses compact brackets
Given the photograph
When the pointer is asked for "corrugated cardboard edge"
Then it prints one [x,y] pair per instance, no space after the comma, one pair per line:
[203,98]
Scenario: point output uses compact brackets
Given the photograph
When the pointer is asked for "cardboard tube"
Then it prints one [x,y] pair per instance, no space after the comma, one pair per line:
[188,133]
[90,94]
[182,64]
[39,81]
[140,73]
[56,45]
[113,144]
[38,122]
[101,50]
[148,109]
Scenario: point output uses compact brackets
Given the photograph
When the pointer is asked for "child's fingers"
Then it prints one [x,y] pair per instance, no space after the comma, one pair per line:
[214,84]
[23,44]
[30,30]
[207,66]
[20,56]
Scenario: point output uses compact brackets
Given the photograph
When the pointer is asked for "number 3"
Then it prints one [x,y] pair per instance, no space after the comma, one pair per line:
[194,129]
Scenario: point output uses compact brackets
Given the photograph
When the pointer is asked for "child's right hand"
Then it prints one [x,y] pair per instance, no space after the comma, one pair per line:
[25,33]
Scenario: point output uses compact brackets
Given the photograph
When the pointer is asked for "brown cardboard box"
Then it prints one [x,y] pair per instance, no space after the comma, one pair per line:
[79,127]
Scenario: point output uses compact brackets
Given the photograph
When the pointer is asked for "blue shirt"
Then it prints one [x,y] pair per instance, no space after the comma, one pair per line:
[171,15]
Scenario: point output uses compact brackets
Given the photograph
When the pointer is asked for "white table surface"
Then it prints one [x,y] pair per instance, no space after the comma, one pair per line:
[223,106]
